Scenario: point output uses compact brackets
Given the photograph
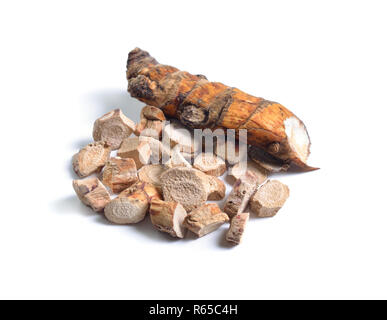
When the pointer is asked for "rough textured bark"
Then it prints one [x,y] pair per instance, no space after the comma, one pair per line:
[269,198]
[237,227]
[205,219]
[168,217]
[198,103]
[92,193]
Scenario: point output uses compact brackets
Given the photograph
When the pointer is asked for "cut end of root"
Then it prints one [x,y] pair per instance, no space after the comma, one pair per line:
[298,138]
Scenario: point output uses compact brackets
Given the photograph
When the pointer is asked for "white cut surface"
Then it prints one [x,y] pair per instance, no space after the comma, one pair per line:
[298,137]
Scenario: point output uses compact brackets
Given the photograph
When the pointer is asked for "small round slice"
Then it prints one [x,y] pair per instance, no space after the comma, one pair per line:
[185,186]
[210,164]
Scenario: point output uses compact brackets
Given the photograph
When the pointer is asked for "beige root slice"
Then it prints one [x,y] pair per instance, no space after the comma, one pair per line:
[139,151]
[149,128]
[177,159]
[132,204]
[269,198]
[168,217]
[158,149]
[239,169]
[113,127]
[241,193]
[152,174]
[185,186]
[229,151]
[210,164]
[178,134]
[237,227]
[92,193]
[91,158]
[119,174]
[205,219]
[216,189]
[152,113]
[151,122]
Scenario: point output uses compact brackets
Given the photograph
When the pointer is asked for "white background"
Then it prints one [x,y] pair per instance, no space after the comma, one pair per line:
[63,65]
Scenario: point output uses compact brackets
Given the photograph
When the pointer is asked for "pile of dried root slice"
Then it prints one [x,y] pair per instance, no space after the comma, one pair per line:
[155,167]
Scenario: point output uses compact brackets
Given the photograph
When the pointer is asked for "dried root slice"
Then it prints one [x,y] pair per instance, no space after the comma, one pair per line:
[216,189]
[91,158]
[177,159]
[152,174]
[139,151]
[151,123]
[149,128]
[119,174]
[127,210]
[177,134]
[210,164]
[230,151]
[205,219]
[132,204]
[269,198]
[241,193]
[150,191]
[152,113]
[237,228]
[92,193]
[239,169]
[267,161]
[168,217]
[158,149]
[185,186]
[113,127]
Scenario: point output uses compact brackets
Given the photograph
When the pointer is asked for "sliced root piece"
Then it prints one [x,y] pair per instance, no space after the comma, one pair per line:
[149,128]
[185,186]
[237,228]
[127,210]
[168,217]
[177,134]
[205,219]
[230,151]
[152,174]
[119,174]
[267,161]
[216,189]
[132,204]
[92,193]
[239,169]
[152,113]
[91,158]
[138,150]
[177,159]
[241,193]
[210,164]
[113,127]
[158,149]
[269,198]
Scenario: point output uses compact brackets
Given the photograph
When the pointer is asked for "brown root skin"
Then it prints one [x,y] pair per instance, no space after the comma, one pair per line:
[198,103]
